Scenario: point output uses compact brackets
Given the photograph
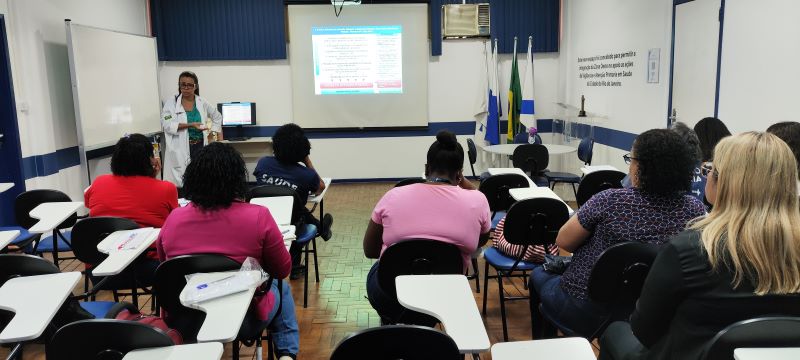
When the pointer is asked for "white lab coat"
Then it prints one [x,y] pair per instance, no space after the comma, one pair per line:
[176,156]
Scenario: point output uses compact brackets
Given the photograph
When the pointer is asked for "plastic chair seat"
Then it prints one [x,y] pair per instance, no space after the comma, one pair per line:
[98,308]
[46,243]
[306,234]
[563,177]
[497,217]
[540,181]
[503,262]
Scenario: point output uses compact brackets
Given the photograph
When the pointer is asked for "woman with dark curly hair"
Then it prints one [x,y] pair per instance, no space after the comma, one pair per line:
[657,207]
[218,221]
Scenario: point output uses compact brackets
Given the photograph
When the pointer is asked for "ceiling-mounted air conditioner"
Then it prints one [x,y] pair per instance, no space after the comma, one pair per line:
[465,20]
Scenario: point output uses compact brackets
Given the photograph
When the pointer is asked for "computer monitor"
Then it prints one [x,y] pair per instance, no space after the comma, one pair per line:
[237,113]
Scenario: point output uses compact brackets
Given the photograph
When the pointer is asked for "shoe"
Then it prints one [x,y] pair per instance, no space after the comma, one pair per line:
[297,272]
[327,222]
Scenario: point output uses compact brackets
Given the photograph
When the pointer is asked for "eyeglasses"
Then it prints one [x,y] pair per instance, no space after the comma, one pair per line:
[708,168]
[627,157]
[186,85]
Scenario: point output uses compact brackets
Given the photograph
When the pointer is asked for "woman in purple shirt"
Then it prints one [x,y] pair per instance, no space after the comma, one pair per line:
[657,207]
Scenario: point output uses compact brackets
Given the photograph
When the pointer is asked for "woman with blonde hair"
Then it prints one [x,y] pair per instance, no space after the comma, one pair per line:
[741,261]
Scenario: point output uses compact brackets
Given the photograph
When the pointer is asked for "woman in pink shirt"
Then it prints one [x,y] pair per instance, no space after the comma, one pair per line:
[218,221]
[446,208]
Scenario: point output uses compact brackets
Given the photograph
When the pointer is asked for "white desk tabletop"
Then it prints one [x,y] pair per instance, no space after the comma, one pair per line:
[586,169]
[34,300]
[201,351]
[449,299]
[508,149]
[318,198]
[5,186]
[767,354]
[561,348]
[529,193]
[511,170]
[118,257]
[224,315]
[6,237]
[50,215]
[279,206]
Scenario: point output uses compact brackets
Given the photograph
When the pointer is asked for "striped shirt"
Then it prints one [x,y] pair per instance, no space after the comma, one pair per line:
[534,254]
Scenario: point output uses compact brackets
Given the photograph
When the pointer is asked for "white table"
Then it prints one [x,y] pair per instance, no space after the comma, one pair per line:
[562,348]
[540,192]
[6,237]
[511,170]
[5,186]
[317,199]
[449,299]
[34,300]
[224,315]
[118,257]
[279,206]
[508,149]
[201,351]
[767,354]
[587,169]
[50,215]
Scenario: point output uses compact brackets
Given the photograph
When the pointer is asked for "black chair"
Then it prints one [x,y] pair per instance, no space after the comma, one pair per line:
[584,154]
[393,342]
[529,222]
[170,281]
[596,182]
[89,232]
[306,234]
[532,159]
[58,241]
[472,154]
[409,181]
[496,187]
[615,283]
[416,257]
[766,332]
[103,339]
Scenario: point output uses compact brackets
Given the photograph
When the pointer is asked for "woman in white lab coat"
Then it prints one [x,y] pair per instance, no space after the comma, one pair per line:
[185,129]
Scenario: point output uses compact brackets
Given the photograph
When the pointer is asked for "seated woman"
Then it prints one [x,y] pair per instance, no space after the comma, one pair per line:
[657,207]
[740,262]
[218,221]
[131,191]
[534,254]
[446,208]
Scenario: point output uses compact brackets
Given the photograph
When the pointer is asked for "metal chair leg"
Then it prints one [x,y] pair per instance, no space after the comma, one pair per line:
[305,282]
[485,281]
[316,262]
[502,305]
[477,276]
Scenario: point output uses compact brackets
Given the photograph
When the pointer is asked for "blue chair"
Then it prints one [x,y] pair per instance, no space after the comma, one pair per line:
[529,222]
[23,242]
[585,149]
[495,188]
[57,242]
[596,182]
[532,159]
[472,153]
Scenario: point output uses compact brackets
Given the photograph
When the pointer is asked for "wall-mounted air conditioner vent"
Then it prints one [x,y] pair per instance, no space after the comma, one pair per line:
[465,20]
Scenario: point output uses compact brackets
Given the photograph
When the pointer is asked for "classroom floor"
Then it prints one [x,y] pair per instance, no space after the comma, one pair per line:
[337,306]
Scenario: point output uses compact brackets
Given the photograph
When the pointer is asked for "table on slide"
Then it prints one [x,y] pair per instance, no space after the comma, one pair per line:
[587,169]
[224,315]
[120,254]
[562,348]
[52,214]
[538,192]
[449,299]
[511,170]
[34,301]
[767,353]
[200,351]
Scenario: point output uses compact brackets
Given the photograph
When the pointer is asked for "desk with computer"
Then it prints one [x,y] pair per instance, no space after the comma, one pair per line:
[237,117]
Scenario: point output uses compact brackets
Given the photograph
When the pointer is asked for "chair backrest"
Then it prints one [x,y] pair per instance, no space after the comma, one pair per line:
[275,190]
[16,265]
[472,151]
[596,182]
[409,342]
[535,222]
[170,281]
[618,275]
[585,150]
[29,200]
[417,257]
[409,181]
[496,187]
[103,339]
[89,232]
[531,158]
[521,138]
[766,332]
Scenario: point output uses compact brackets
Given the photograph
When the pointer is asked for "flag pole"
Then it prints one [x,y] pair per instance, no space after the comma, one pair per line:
[530,56]
[511,111]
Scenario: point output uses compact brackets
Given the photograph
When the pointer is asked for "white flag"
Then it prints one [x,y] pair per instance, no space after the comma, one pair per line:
[527,114]
[492,131]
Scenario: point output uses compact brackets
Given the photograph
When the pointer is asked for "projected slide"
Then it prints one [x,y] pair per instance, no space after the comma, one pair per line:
[358,59]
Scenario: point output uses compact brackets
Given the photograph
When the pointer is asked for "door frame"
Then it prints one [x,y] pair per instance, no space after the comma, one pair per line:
[10,128]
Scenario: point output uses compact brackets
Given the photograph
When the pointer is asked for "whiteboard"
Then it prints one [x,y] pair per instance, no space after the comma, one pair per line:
[114,84]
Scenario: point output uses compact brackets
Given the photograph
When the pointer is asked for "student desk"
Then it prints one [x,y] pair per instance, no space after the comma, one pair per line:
[767,353]
[5,186]
[200,351]
[563,348]
[34,300]
[592,168]
[281,209]
[511,170]
[224,315]
[118,258]
[317,199]
[50,215]
[6,237]
[540,192]
[449,299]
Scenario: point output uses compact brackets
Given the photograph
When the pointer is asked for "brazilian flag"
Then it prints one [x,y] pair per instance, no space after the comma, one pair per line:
[514,101]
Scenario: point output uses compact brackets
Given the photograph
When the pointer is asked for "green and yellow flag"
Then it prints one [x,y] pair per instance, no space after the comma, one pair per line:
[514,100]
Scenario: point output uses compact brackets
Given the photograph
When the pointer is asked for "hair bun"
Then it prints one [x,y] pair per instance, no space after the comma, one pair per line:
[447,139]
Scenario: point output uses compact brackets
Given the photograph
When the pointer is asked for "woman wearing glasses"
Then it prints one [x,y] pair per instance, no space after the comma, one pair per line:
[657,207]
[742,261]
[184,121]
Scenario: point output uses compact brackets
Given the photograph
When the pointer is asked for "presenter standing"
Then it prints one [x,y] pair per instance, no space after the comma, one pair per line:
[186,128]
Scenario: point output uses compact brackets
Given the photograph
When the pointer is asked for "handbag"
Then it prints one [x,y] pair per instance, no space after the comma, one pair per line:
[556,264]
